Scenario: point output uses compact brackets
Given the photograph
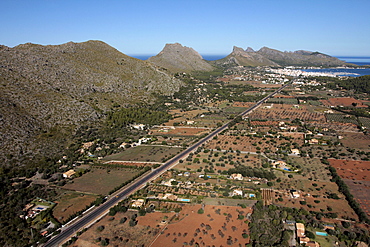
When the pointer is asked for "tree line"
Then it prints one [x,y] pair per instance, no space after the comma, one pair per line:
[248,171]
[359,84]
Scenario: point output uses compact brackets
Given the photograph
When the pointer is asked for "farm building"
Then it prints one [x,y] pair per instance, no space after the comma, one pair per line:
[237,193]
[137,203]
[236,176]
[69,174]
[295,194]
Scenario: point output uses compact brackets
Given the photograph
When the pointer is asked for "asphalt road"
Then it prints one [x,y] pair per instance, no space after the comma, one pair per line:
[95,214]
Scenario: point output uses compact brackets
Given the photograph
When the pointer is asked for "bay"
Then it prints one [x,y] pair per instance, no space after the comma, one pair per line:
[352,72]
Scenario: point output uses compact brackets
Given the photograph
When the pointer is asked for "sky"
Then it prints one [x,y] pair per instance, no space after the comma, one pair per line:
[143,27]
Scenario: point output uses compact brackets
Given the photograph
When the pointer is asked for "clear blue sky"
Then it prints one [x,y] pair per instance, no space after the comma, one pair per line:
[334,27]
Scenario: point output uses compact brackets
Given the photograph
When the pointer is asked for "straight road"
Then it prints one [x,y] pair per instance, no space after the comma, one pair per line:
[88,219]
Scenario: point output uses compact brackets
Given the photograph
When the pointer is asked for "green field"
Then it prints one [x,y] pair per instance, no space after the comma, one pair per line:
[342,118]
[71,202]
[234,109]
[145,153]
[283,101]
[101,181]
[324,241]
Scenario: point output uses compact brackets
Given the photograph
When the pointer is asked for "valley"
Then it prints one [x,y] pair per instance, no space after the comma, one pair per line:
[298,157]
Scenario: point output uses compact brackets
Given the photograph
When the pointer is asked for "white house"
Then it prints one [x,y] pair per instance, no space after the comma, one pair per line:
[237,193]
[236,176]
[138,126]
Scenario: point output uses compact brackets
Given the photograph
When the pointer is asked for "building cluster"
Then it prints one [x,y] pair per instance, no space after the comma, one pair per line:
[35,207]
[296,72]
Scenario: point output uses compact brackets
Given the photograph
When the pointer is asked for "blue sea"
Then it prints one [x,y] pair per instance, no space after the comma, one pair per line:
[355,60]
[142,57]
[352,72]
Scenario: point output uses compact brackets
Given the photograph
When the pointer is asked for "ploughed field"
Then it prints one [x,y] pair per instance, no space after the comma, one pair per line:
[356,175]
[101,181]
[217,225]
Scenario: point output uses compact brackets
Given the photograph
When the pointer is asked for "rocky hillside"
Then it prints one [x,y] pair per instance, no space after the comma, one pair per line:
[270,57]
[299,58]
[178,58]
[240,57]
[45,87]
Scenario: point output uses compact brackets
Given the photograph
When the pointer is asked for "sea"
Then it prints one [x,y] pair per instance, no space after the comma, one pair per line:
[355,60]
[352,72]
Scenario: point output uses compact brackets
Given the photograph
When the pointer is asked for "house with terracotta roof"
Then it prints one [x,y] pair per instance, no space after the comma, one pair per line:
[69,174]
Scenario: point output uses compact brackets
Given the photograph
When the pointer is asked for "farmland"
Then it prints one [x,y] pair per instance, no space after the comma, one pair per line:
[343,101]
[341,118]
[356,140]
[286,112]
[179,131]
[101,181]
[145,153]
[71,202]
[217,225]
[356,174]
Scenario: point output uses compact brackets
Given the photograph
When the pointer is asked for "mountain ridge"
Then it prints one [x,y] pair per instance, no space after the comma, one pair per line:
[299,58]
[46,87]
[178,58]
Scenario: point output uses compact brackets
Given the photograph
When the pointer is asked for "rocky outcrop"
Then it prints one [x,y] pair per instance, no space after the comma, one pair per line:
[241,57]
[178,58]
[271,57]
[299,58]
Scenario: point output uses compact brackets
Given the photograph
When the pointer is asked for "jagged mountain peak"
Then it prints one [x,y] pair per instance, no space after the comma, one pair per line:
[238,51]
[242,57]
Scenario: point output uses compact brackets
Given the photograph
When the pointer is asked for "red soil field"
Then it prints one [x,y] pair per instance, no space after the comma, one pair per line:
[212,228]
[182,131]
[136,164]
[352,169]
[356,174]
[345,101]
[264,123]
[243,104]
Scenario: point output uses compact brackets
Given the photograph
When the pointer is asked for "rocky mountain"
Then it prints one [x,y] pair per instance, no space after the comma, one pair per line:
[178,58]
[240,57]
[299,58]
[46,87]
[270,57]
